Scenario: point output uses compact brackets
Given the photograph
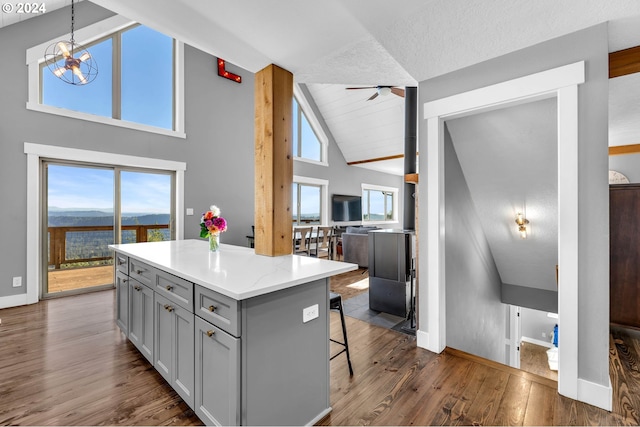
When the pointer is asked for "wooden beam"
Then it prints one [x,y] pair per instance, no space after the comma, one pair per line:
[377,159]
[624,62]
[411,178]
[624,149]
[273,161]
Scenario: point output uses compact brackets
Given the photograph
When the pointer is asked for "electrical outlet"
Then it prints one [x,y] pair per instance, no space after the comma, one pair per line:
[544,335]
[189,211]
[310,313]
[17,282]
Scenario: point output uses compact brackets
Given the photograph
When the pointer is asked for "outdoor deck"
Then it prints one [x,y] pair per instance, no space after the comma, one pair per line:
[79,278]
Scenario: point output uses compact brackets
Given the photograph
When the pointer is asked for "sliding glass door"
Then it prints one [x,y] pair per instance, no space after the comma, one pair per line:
[87,208]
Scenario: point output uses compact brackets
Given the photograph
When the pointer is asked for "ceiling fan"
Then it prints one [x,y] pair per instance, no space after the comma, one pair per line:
[381,90]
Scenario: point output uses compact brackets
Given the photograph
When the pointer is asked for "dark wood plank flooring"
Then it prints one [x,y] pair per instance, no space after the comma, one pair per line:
[64,362]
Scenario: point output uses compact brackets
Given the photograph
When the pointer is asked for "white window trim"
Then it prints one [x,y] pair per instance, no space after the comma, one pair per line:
[315,125]
[89,34]
[324,195]
[396,195]
[34,154]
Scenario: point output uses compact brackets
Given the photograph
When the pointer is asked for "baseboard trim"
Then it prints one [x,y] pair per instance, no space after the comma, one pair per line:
[422,339]
[13,301]
[595,394]
[537,342]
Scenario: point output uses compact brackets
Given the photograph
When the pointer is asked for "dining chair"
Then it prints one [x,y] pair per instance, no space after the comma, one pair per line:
[302,240]
[322,246]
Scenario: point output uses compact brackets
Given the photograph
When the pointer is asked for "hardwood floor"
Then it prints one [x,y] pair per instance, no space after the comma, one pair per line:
[64,362]
[350,284]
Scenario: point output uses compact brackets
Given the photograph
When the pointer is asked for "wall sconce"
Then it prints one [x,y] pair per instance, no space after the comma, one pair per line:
[522,225]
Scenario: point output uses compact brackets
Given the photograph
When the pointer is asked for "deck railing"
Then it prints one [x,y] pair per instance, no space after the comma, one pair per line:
[58,241]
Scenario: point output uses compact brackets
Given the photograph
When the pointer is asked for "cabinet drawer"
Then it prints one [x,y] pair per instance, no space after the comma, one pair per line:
[142,272]
[218,309]
[122,263]
[175,288]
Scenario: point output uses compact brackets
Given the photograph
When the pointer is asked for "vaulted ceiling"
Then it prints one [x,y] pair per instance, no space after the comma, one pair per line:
[377,42]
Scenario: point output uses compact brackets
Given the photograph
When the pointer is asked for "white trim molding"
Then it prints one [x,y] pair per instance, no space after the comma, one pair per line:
[560,83]
[36,152]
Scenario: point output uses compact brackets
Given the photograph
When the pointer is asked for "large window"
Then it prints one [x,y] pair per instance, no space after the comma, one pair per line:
[143,74]
[309,201]
[139,83]
[379,204]
[309,141]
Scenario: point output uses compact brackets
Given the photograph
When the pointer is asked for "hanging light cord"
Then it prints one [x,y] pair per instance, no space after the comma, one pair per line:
[72,25]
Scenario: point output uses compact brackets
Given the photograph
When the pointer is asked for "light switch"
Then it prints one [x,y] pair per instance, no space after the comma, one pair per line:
[189,211]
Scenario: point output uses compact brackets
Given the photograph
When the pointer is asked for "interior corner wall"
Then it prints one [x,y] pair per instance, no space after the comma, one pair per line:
[218,149]
[628,165]
[589,45]
[345,179]
[476,321]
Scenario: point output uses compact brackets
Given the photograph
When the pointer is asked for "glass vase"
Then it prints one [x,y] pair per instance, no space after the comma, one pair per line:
[214,242]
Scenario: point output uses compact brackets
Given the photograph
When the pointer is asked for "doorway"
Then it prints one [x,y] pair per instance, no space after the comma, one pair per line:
[562,83]
[87,207]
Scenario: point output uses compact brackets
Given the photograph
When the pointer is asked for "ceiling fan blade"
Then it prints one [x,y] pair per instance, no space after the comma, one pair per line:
[374,96]
[84,57]
[397,91]
[79,75]
[367,87]
[63,48]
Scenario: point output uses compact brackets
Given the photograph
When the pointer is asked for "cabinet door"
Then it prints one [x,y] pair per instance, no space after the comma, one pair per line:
[624,272]
[163,337]
[173,346]
[217,375]
[141,318]
[183,354]
[122,302]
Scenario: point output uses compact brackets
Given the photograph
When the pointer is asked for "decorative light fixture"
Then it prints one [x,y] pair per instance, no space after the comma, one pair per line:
[222,72]
[63,56]
[384,90]
[522,225]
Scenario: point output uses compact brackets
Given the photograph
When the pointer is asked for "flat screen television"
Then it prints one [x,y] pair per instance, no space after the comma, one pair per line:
[346,208]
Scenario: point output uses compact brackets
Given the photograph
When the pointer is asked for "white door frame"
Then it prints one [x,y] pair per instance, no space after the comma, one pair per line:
[34,153]
[561,83]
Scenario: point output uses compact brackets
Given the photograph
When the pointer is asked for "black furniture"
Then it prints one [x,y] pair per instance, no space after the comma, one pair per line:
[335,303]
[391,271]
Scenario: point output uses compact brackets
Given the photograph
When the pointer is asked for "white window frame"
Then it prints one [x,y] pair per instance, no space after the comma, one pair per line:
[87,35]
[324,195]
[315,125]
[396,195]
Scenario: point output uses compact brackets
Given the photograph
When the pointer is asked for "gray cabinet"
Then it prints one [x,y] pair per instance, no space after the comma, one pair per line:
[141,318]
[217,375]
[122,301]
[174,346]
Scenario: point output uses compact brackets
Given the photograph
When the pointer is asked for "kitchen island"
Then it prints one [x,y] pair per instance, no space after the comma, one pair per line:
[242,338]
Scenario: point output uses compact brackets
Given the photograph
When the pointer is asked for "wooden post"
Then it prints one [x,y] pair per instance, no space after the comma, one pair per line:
[273,161]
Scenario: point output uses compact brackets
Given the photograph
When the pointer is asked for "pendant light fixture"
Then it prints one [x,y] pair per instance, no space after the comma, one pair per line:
[69,61]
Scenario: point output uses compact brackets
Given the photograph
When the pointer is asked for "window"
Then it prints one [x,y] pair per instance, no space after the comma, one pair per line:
[139,83]
[379,204]
[309,141]
[309,201]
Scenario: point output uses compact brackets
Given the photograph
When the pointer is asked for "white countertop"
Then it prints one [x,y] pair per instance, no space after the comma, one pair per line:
[234,271]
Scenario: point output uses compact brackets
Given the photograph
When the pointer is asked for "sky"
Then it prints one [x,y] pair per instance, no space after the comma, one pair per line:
[73,187]
[147,80]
